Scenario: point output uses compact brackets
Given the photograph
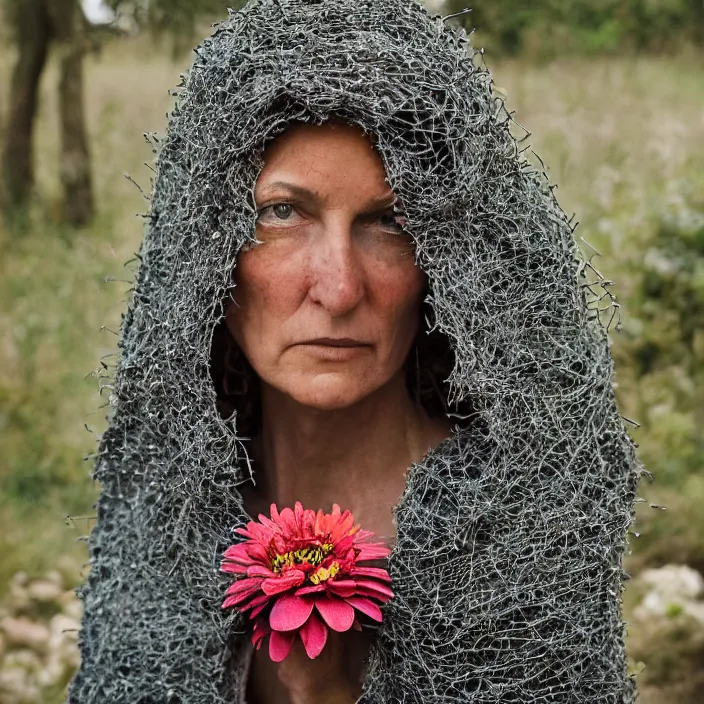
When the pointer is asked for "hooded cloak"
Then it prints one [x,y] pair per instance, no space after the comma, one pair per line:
[507,566]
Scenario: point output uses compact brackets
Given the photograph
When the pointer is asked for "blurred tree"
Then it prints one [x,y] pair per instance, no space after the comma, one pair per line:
[75,157]
[37,25]
[178,19]
[33,35]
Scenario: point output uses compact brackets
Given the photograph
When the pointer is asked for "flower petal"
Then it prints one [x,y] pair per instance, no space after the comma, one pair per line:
[287,521]
[258,609]
[258,532]
[342,587]
[290,612]
[310,589]
[374,551]
[256,604]
[373,572]
[261,600]
[299,515]
[257,553]
[280,645]
[244,585]
[293,578]
[237,598]
[261,630]
[366,606]
[314,635]
[233,568]
[237,553]
[268,523]
[230,601]
[381,591]
[338,614]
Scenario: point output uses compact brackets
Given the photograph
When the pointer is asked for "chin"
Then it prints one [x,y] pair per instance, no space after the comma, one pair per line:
[331,391]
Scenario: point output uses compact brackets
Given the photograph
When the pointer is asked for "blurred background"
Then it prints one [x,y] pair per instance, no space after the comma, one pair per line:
[613,93]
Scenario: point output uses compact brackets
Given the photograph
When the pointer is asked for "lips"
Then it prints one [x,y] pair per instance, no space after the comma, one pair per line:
[335,342]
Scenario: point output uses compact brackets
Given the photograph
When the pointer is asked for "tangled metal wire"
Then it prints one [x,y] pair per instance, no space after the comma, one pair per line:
[510,535]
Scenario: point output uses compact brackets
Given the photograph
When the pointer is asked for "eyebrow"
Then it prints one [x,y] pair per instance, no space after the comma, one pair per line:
[373,207]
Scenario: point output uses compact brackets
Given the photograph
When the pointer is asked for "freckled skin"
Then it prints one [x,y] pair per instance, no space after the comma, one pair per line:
[337,266]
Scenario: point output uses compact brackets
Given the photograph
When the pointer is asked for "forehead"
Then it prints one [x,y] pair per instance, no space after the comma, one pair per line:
[324,158]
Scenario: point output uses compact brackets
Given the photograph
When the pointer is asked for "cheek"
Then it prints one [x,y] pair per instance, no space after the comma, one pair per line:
[268,290]
[398,294]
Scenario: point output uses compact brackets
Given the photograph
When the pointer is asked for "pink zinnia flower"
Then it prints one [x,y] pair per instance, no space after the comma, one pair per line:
[301,575]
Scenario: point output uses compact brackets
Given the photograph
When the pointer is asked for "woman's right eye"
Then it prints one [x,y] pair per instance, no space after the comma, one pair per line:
[277,211]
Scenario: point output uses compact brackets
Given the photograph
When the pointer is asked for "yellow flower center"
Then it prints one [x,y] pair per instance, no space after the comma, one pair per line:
[313,556]
[323,573]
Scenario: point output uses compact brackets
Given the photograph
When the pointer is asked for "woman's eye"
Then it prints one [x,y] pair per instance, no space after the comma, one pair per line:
[278,211]
[282,211]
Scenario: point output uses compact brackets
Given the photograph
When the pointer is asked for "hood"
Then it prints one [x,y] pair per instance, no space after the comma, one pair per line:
[507,566]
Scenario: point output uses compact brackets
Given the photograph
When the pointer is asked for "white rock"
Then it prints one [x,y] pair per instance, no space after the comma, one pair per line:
[24,659]
[654,604]
[674,589]
[56,577]
[72,606]
[64,627]
[20,579]
[23,632]
[53,671]
[45,591]
[675,581]
[64,639]
[18,598]
[15,687]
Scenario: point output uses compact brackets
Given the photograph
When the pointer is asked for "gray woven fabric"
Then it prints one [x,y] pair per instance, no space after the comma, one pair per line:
[510,535]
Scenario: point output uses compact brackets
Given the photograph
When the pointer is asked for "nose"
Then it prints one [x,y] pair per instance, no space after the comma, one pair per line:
[337,280]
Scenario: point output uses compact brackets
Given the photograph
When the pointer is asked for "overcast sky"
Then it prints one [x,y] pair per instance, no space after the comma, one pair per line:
[97,11]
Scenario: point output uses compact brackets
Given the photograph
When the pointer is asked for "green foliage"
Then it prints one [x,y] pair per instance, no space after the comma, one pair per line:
[674,610]
[663,341]
[672,284]
[48,286]
[546,28]
[176,18]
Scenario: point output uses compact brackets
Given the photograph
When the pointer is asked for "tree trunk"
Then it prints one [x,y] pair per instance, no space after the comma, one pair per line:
[33,31]
[75,156]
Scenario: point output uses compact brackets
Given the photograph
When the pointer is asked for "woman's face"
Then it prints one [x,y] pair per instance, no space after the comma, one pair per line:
[327,306]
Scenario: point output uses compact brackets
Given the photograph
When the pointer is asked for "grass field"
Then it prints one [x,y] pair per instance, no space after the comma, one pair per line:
[624,139]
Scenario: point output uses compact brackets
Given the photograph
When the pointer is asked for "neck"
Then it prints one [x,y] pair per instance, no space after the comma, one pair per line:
[320,457]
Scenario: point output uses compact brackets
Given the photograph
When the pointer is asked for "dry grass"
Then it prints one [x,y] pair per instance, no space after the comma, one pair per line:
[54,302]
[621,137]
